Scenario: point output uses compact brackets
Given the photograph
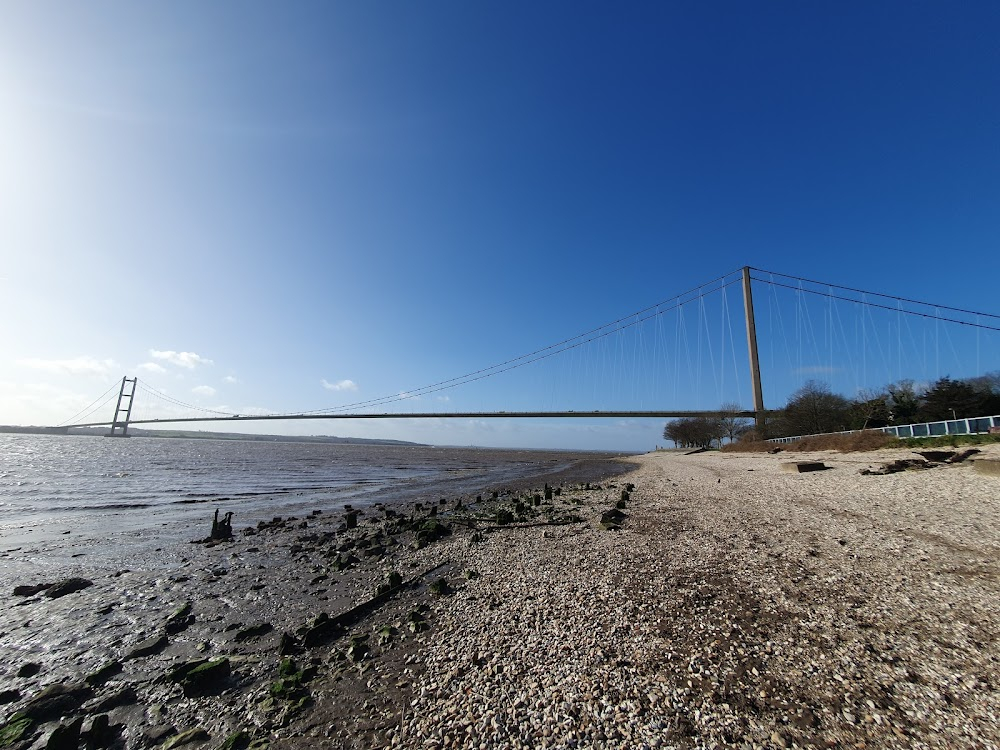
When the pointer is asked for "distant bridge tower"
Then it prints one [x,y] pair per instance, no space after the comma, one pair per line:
[118,422]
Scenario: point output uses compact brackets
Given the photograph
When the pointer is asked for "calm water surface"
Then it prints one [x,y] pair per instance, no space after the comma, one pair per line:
[100,488]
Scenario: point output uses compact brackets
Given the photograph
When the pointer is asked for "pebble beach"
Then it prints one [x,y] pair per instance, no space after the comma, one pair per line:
[706,600]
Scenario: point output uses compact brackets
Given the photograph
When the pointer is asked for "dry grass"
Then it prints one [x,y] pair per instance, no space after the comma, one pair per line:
[870,440]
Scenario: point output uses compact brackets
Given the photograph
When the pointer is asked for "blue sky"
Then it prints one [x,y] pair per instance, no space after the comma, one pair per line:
[393,194]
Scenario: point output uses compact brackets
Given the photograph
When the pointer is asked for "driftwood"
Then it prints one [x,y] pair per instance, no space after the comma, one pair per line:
[325,628]
[222,529]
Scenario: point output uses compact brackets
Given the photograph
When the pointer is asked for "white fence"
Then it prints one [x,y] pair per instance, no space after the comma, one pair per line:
[971,426]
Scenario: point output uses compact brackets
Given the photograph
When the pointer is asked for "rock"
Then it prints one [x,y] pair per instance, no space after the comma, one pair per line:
[892,467]
[253,631]
[202,676]
[288,686]
[801,467]
[101,733]
[180,620]
[29,669]
[67,586]
[321,629]
[358,647]
[238,740]
[157,734]
[65,736]
[148,647]
[416,622]
[19,728]
[612,519]
[431,531]
[289,645]
[387,633]
[30,590]
[104,674]
[197,734]
[394,582]
[124,696]
[56,700]
[440,587]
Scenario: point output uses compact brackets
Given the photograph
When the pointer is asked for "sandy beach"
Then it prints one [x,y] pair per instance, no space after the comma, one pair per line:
[729,604]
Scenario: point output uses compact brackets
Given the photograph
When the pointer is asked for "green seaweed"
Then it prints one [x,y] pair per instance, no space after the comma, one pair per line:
[17,728]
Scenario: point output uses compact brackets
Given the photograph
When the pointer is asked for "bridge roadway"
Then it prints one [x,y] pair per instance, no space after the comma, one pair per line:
[440,415]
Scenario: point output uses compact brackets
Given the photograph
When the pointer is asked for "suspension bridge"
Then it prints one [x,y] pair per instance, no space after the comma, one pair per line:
[684,348]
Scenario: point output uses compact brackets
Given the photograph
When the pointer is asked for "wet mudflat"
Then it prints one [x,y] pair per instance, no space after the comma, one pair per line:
[240,639]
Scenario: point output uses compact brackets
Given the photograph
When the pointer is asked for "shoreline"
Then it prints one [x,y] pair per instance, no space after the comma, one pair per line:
[239,600]
[734,605]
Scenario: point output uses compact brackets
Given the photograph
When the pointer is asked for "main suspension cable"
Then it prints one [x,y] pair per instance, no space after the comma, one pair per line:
[93,406]
[540,354]
[894,309]
[873,294]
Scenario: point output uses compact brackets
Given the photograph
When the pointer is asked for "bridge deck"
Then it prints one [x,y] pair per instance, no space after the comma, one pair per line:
[659,414]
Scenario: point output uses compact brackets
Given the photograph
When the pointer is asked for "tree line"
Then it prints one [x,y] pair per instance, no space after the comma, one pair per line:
[815,409]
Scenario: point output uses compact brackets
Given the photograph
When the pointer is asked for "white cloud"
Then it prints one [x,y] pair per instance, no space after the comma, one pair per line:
[340,385]
[190,360]
[230,379]
[151,367]
[444,398]
[76,366]
[203,390]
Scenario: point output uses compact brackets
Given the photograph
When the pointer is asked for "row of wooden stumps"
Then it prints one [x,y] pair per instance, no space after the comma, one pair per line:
[222,529]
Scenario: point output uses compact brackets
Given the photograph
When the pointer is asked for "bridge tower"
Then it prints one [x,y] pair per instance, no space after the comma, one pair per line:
[126,408]
[758,396]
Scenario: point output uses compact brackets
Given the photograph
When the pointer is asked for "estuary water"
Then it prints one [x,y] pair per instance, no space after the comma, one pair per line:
[66,493]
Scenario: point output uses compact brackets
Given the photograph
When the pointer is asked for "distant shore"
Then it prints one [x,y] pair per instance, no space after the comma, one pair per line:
[697,600]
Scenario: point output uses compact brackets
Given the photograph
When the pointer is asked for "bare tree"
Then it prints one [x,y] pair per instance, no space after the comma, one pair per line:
[870,409]
[693,432]
[732,425]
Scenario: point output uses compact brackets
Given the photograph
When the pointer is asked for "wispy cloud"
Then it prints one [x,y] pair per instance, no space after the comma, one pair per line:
[230,379]
[189,360]
[151,367]
[444,398]
[75,366]
[203,390]
[340,385]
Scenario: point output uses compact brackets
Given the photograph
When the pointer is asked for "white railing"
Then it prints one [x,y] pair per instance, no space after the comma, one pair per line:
[970,426]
